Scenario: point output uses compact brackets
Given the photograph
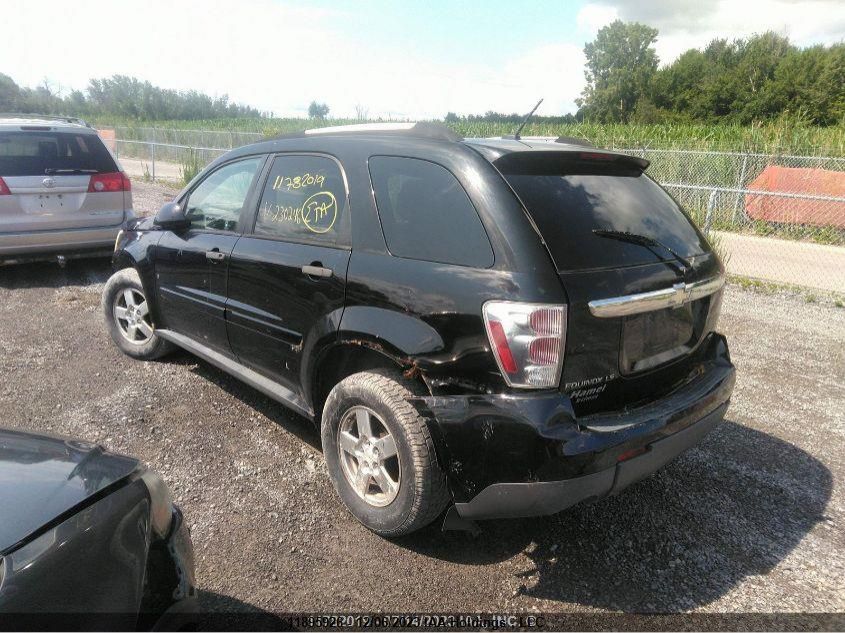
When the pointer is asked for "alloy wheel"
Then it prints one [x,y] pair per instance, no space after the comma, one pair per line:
[132,316]
[368,456]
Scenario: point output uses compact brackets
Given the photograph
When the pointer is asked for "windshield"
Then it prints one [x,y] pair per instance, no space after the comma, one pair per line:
[570,203]
[40,153]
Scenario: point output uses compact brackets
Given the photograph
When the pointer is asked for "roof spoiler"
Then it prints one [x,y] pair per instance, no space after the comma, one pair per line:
[515,162]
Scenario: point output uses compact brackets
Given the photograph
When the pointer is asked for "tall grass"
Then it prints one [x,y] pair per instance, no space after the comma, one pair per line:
[787,135]
[190,165]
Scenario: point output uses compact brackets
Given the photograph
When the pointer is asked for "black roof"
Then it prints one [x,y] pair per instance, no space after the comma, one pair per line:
[420,135]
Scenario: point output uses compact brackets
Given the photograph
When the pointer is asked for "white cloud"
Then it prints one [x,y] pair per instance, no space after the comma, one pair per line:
[592,17]
[279,57]
[685,24]
[272,56]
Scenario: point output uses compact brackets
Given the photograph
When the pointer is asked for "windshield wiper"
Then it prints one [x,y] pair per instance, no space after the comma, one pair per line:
[651,244]
[55,170]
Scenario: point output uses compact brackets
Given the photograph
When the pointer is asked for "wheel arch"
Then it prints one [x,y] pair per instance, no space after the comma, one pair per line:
[351,355]
[135,255]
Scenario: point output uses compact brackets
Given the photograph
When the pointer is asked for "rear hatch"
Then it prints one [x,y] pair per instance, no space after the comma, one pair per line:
[643,284]
[58,180]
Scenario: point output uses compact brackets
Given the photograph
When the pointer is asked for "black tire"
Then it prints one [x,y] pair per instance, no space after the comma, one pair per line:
[144,347]
[422,491]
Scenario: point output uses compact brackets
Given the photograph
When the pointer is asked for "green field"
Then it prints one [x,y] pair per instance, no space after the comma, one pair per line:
[785,136]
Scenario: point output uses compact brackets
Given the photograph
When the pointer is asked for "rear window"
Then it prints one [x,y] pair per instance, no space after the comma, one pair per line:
[426,214]
[569,200]
[36,153]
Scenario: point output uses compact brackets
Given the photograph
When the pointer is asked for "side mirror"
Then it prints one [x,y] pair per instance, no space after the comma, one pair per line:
[171,216]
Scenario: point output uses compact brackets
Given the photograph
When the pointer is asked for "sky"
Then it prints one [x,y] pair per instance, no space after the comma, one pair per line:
[398,59]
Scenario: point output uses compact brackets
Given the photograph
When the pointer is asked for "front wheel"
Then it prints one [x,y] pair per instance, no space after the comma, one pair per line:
[380,454]
[128,318]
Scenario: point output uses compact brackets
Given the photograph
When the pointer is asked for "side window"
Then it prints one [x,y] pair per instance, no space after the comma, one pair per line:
[304,200]
[217,202]
[426,214]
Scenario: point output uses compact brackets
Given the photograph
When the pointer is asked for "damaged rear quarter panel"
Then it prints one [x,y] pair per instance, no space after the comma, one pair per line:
[428,315]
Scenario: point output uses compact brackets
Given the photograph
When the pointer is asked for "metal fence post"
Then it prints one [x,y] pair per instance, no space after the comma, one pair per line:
[739,185]
[711,206]
[153,154]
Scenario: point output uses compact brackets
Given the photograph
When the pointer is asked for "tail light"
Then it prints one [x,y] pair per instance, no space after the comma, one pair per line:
[4,188]
[528,341]
[111,181]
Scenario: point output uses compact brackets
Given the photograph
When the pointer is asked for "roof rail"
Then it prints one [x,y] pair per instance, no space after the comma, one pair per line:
[574,140]
[44,117]
[423,129]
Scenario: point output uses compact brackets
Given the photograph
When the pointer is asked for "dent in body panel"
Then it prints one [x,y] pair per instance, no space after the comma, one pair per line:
[538,436]
[93,562]
[427,316]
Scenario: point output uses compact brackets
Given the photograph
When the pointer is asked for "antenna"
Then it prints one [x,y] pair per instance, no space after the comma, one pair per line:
[530,114]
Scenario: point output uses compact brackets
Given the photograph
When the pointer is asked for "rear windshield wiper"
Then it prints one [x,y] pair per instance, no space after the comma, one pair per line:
[54,170]
[651,244]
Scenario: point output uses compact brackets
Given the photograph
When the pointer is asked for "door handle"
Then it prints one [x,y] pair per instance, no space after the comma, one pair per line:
[316,270]
[215,255]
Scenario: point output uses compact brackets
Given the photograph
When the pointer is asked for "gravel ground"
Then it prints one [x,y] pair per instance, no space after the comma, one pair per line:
[147,197]
[751,520]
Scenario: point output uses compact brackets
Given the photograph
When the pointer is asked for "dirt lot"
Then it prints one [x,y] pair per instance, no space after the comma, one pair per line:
[752,520]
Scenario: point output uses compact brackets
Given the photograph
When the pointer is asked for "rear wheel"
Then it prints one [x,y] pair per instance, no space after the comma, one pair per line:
[380,454]
[128,318]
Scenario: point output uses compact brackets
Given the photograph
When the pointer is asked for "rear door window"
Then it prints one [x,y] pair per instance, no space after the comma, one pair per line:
[569,200]
[426,214]
[304,200]
[37,153]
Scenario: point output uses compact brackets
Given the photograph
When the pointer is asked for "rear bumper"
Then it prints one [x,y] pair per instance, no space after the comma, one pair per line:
[549,497]
[514,455]
[27,246]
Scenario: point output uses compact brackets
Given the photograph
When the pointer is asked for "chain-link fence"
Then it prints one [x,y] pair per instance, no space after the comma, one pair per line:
[778,218]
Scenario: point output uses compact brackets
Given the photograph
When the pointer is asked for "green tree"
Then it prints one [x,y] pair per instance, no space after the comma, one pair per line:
[318,110]
[621,62]
[9,94]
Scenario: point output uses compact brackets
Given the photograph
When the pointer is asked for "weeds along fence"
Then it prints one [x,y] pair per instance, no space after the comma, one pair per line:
[735,197]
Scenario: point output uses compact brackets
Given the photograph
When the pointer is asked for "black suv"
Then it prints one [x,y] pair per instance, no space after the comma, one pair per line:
[504,327]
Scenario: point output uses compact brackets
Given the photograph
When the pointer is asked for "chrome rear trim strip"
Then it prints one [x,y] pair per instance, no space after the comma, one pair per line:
[673,297]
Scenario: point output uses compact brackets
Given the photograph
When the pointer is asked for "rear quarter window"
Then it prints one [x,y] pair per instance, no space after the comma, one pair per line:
[426,214]
[34,153]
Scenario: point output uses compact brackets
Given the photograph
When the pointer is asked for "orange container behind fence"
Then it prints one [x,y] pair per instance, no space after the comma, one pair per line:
[108,137]
[791,210]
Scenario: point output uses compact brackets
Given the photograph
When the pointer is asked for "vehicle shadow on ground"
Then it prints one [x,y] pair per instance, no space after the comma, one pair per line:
[219,612]
[291,422]
[733,507]
[82,272]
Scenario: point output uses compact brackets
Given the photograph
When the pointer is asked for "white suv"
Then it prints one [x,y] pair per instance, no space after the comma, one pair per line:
[62,192]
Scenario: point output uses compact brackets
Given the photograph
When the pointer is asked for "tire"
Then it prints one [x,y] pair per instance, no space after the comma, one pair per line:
[145,344]
[421,494]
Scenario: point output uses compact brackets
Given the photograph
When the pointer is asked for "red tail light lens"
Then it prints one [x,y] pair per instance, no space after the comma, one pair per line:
[4,189]
[500,342]
[527,340]
[544,351]
[112,181]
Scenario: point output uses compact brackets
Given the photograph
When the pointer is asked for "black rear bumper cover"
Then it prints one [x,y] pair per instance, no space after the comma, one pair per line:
[513,455]
[512,500]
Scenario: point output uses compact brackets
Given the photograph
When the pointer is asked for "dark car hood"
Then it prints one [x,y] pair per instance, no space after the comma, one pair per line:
[42,477]
[140,224]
